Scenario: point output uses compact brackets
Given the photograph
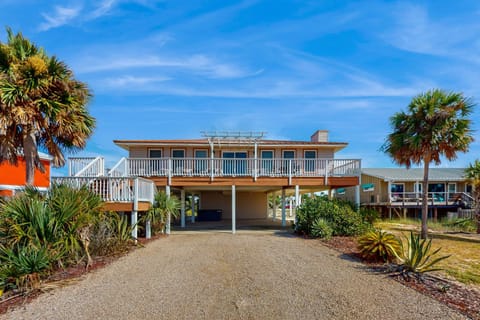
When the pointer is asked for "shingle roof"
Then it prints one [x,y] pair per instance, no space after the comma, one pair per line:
[416,174]
[126,143]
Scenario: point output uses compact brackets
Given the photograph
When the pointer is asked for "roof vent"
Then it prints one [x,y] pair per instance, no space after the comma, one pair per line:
[319,136]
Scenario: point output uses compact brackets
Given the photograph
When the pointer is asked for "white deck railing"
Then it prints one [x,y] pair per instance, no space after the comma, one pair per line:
[434,198]
[86,167]
[113,189]
[218,167]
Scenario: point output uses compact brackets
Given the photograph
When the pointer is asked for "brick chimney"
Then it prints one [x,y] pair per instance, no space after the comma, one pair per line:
[319,136]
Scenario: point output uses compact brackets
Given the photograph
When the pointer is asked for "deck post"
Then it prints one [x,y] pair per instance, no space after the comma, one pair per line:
[357,196]
[284,214]
[167,226]
[182,208]
[234,209]
[297,197]
[148,229]
[289,172]
[290,209]
[274,213]
[134,216]
[255,156]
[192,204]
[326,172]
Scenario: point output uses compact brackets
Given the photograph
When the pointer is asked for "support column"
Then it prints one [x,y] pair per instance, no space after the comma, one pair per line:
[297,195]
[182,208]
[192,204]
[357,196]
[297,200]
[284,214]
[290,202]
[274,213]
[234,210]
[133,221]
[148,229]
[167,227]
[134,216]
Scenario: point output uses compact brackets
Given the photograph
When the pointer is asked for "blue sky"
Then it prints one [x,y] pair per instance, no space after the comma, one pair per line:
[170,69]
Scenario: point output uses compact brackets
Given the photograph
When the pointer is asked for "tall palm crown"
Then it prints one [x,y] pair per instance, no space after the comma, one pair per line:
[435,125]
[41,105]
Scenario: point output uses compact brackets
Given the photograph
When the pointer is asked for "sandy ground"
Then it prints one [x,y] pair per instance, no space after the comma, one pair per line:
[250,275]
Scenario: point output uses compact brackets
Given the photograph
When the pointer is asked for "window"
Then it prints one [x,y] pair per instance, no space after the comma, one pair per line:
[267,162]
[396,190]
[289,154]
[178,153]
[154,153]
[178,163]
[155,166]
[200,153]
[310,156]
[436,191]
[234,163]
[201,162]
[288,165]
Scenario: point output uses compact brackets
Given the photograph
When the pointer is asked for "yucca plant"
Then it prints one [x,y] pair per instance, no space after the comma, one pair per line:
[321,229]
[23,265]
[418,258]
[379,245]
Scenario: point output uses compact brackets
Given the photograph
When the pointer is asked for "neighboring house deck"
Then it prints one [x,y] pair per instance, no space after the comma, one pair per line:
[230,172]
[398,191]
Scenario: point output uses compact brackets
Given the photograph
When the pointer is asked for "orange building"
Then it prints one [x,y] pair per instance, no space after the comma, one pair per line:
[13,177]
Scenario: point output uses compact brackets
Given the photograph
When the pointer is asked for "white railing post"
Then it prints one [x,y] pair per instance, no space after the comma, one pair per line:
[135,210]
[326,172]
[290,171]
[169,171]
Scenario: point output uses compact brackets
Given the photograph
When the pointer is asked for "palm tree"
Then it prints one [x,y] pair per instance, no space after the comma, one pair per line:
[162,208]
[472,173]
[42,105]
[435,125]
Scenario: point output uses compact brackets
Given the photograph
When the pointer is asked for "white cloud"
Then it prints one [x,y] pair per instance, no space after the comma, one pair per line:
[198,64]
[60,17]
[103,8]
[129,81]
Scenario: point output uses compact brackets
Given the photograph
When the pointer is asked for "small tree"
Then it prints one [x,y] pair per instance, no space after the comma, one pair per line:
[472,173]
[42,105]
[435,125]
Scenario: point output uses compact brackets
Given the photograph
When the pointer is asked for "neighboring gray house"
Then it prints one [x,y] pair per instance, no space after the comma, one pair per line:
[397,191]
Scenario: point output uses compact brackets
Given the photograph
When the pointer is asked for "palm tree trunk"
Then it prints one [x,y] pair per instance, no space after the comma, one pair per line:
[30,153]
[426,163]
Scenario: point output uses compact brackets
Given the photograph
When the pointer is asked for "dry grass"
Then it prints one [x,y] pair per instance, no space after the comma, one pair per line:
[464,262]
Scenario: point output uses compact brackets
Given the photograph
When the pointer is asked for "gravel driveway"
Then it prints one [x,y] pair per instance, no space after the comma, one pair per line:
[250,275]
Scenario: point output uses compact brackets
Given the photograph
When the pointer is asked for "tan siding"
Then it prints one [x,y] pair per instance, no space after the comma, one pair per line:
[250,205]
[138,152]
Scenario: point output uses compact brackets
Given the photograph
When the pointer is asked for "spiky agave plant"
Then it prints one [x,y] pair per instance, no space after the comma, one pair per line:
[379,245]
[418,257]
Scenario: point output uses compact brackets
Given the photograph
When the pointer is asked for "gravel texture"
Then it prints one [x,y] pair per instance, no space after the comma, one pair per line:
[250,275]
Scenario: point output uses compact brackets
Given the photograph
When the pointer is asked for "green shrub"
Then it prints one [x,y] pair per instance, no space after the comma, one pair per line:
[379,245]
[339,215]
[461,224]
[418,258]
[111,234]
[321,229]
[369,215]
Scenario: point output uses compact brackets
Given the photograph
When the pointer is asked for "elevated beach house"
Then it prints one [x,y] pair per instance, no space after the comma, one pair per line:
[398,191]
[230,173]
